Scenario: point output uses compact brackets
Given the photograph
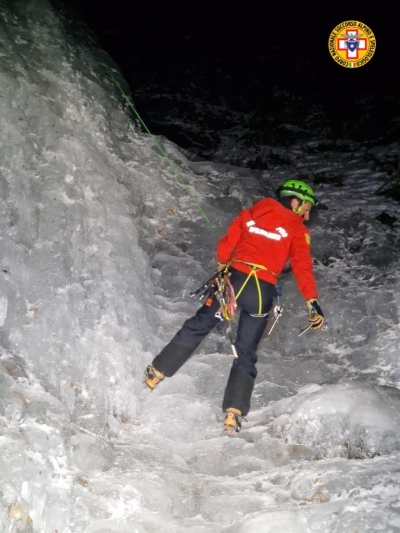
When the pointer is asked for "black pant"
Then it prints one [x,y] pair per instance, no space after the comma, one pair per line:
[249,332]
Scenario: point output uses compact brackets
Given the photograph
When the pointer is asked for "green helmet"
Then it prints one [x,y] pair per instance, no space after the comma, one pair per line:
[299,189]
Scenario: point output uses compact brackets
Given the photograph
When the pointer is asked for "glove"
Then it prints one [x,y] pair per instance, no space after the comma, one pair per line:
[315,314]
[221,266]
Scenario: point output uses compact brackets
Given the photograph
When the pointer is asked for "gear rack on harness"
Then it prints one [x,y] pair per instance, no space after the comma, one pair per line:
[220,287]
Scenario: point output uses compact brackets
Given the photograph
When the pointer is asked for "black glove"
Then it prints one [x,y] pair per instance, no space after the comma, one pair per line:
[315,314]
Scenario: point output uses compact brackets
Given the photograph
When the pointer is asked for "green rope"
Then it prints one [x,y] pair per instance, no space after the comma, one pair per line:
[175,169]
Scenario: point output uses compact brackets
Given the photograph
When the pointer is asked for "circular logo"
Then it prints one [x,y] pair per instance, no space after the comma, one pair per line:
[352,44]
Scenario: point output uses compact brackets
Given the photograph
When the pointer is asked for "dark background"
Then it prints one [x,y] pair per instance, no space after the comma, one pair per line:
[270,63]
[166,33]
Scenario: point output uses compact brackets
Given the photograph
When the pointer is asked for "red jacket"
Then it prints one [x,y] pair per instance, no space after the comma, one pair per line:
[269,234]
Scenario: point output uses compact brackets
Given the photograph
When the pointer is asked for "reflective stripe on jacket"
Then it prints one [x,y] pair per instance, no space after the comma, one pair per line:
[269,234]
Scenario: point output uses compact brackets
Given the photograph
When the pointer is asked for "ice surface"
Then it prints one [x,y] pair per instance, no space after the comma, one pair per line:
[102,240]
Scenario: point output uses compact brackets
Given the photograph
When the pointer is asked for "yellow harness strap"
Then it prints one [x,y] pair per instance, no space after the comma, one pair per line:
[253,272]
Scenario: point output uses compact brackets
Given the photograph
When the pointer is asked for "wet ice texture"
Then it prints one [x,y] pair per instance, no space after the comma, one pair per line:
[100,248]
[350,420]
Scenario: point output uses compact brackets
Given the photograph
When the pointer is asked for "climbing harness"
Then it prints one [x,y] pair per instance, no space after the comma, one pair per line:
[220,287]
[278,309]
[253,273]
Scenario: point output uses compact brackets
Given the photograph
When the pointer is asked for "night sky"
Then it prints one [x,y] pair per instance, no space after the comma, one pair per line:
[287,45]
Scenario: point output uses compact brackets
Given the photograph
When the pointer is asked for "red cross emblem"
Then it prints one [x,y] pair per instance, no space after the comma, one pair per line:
[351,42]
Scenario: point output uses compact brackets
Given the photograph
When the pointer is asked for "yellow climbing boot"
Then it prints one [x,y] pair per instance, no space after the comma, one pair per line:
[232,422]
[153,376]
